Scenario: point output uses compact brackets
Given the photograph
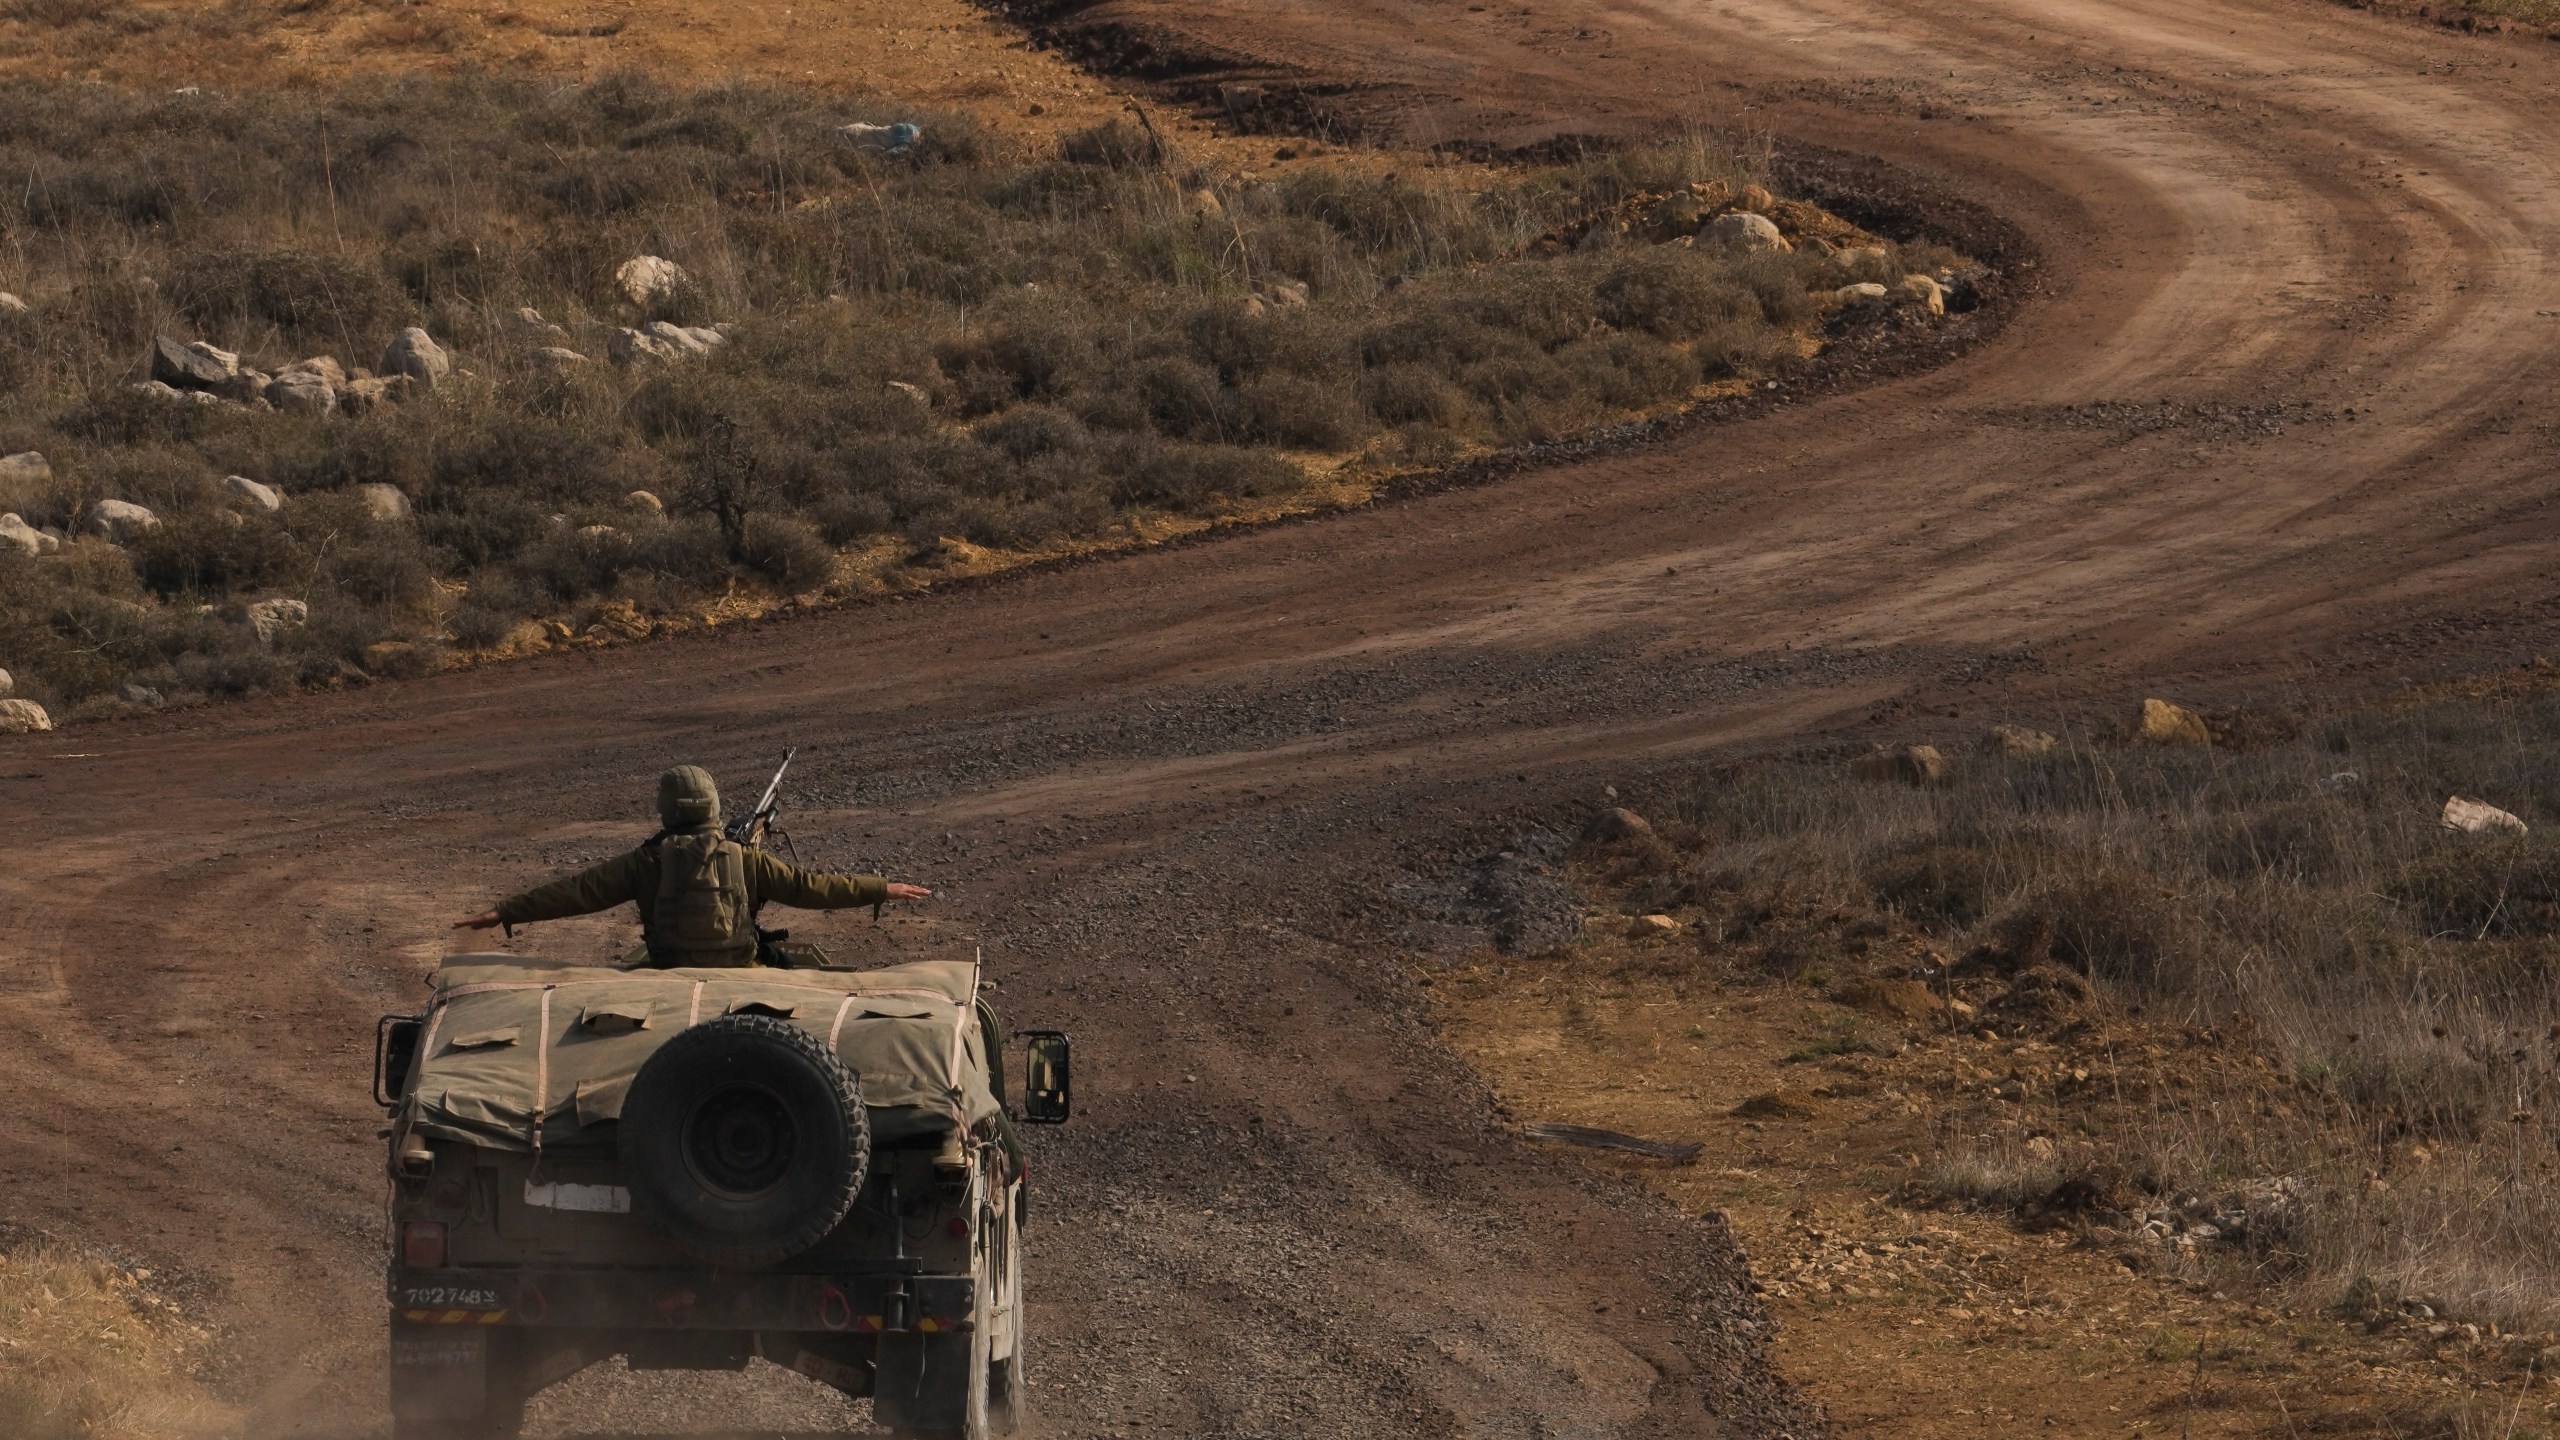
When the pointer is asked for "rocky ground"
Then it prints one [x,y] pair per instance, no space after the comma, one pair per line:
[1902,1315]
[1182,794]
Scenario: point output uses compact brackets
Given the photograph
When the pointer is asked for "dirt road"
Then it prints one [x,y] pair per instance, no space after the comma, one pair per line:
[2281,415]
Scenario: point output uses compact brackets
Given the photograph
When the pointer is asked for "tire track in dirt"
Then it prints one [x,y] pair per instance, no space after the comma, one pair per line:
[1170,792]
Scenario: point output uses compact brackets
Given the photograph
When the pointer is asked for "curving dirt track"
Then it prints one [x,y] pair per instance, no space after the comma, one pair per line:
[2280,414]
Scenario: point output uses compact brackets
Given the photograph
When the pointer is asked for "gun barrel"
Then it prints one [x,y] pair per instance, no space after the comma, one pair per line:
[745,827]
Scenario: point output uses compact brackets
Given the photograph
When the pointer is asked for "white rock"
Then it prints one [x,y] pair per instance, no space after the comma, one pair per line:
[1924,292]
[1863,293]
[1742,230]
[692,340]
[326,367]
[249,387]
[415,353]
[915,393]
[2475,817]
[383,502]
[241,487]
[192,365]
[643,500]
[634,347]
[648,279]
[162,390]
[23,717]
[887,139]
[135,693]
[558,357]
[26,465]
[303,391]
[11,304]
[6,684]
[273,618]
[25,538]
[119,521]
[528,324]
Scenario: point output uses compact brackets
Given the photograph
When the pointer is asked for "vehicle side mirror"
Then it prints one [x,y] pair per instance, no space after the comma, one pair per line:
[395,1054]
[1047,1078]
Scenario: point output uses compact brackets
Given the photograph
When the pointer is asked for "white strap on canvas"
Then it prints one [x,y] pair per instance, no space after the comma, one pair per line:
[541,1072]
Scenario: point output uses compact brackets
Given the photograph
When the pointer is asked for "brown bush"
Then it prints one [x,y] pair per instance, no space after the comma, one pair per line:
[2363,997]
[1672,292]
[791,555]
[2467,887]
[315,298]
[963,340]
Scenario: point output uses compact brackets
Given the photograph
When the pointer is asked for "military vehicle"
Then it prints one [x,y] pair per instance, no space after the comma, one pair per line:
[692,1168]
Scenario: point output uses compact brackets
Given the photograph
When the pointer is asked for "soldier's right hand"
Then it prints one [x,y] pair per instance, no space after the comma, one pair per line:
[485,920]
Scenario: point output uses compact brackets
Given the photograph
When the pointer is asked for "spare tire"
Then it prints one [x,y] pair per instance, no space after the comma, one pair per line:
[747,1138]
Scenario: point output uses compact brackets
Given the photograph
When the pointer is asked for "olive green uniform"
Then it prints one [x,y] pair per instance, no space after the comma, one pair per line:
[634,877]
[697,892]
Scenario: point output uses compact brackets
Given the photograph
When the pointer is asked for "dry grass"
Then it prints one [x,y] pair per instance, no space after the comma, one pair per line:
[87,1351]
[1004,346]
[2262,984]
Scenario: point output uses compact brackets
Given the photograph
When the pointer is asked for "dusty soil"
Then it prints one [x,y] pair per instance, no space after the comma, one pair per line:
[2280,418]
[1903,1310]
[943,54]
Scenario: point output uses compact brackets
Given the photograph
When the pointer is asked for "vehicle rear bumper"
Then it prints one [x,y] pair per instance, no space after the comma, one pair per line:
[680,1300]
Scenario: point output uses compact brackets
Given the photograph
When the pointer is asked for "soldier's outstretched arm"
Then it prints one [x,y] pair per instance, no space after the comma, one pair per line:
[598,887]
[783,883]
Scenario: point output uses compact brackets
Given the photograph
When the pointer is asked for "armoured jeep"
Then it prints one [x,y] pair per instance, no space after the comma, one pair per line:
[693,1168]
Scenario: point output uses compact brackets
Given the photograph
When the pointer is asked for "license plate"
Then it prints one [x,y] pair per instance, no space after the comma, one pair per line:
[449,1297]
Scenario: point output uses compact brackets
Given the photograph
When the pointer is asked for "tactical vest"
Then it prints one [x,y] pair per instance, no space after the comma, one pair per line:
[703,915]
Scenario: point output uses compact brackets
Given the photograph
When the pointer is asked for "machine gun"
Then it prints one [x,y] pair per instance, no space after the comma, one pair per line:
[752,827]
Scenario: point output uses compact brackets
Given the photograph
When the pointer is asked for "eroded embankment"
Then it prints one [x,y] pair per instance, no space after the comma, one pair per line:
[2197,1076]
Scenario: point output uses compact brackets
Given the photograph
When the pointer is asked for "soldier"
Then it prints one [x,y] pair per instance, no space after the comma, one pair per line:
[697,890]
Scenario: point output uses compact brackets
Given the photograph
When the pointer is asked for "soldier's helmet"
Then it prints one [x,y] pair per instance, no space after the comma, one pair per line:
[687,797]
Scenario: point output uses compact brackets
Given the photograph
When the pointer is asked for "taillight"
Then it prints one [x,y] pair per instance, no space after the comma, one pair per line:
[422,1244]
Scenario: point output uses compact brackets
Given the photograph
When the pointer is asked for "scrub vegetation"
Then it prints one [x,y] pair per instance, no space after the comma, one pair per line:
[963,346]
[88,1348]
[2255,1011]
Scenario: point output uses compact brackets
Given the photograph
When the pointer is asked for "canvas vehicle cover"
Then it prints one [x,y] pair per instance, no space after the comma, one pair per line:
[516,1046]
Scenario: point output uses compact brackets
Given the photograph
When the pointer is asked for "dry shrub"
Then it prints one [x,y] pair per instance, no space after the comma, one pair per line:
[792,555]
[2370,997]
[963,340]
[91,1351]
[2109,921]
[1943,887]
[312,297]
[1671,292]
[2475,887]
[1115,145]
